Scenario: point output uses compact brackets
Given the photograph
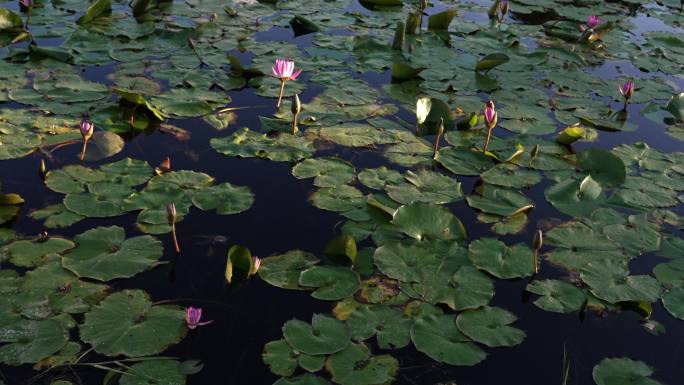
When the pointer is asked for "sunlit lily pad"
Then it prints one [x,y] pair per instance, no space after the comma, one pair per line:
[500,260]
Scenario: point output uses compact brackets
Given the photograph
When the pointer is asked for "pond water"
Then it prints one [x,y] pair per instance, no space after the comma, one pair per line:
[610,208]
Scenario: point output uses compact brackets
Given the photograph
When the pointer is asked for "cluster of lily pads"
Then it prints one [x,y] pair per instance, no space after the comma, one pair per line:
[402,271]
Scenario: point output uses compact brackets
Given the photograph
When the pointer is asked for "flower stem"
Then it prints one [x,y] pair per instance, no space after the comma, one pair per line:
[536,261]
[294,123]
[175,240]
[28,17]
[83,150]
[282,90]
[489,137]
[435,150]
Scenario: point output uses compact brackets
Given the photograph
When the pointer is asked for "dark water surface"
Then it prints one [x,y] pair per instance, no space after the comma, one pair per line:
[249,315]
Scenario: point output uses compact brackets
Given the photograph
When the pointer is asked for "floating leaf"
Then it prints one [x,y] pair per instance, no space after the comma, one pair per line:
[104,254]
[490,61]
[557,296]
[489,325]
[439,338]
[332,282]
[622,371]
[126,323]
[500,260]
[325,335]
[28,341]
[284,270]
[356,366]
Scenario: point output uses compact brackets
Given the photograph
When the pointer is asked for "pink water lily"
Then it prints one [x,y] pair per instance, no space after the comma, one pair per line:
[490,113]
[193,315]
[256,263]
[491,118]
[593,21]
[627,90]
[284,70]
[86,127]
[25,3]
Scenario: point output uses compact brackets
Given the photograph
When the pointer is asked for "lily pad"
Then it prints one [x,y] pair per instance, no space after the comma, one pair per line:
[325,335]
[127,323]
[439,338]
[490,326]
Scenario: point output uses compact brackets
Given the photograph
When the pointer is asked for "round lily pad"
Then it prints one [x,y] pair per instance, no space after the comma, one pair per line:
[558,296]
[126,323]
[423,221]
[28,341]
[325,335]
[328,172]
[356,366]
[490,326]
[439,338]
[28,253]
[624,371]
[610,281]
[166,372]
[391,327]
[500,260]
[284,270]
[332,282]
[673,300]
[104,254]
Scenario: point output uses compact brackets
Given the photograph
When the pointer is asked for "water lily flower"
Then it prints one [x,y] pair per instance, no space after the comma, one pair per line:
[284,70]
[25,4]
[171,215]
[423,107]
[627,90]
[504,8]
[491,118]
[296,109]
[593,21]
[87,128]
[256,264]
[193,315]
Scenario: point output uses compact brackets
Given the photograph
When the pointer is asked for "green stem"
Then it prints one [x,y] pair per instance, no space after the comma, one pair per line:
[280,96]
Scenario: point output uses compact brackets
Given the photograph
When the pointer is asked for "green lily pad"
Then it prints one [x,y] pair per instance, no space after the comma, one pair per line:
[557,296]
[438,337]
[500,260]
[610,281]
[284,270]
[603,166]
[328,172]
[28,341]
[490,326]
[389,325]
[126,323]
[356,366]
[29,253]
[673,300]
[167,372]
[332,282]
[613,371]
[325,335]
[248,144]
[104,254]
[425,186]
[424,221]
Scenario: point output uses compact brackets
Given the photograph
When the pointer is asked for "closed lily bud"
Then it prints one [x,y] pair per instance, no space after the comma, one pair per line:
[424,4]
[504,8]
[538,240]
[440,132]
[87,128]
[25,3]
[296,104]
[171,212]
[491,117]
[627,90]
[42,169]
[193,316]
[593,21]
[534,152]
